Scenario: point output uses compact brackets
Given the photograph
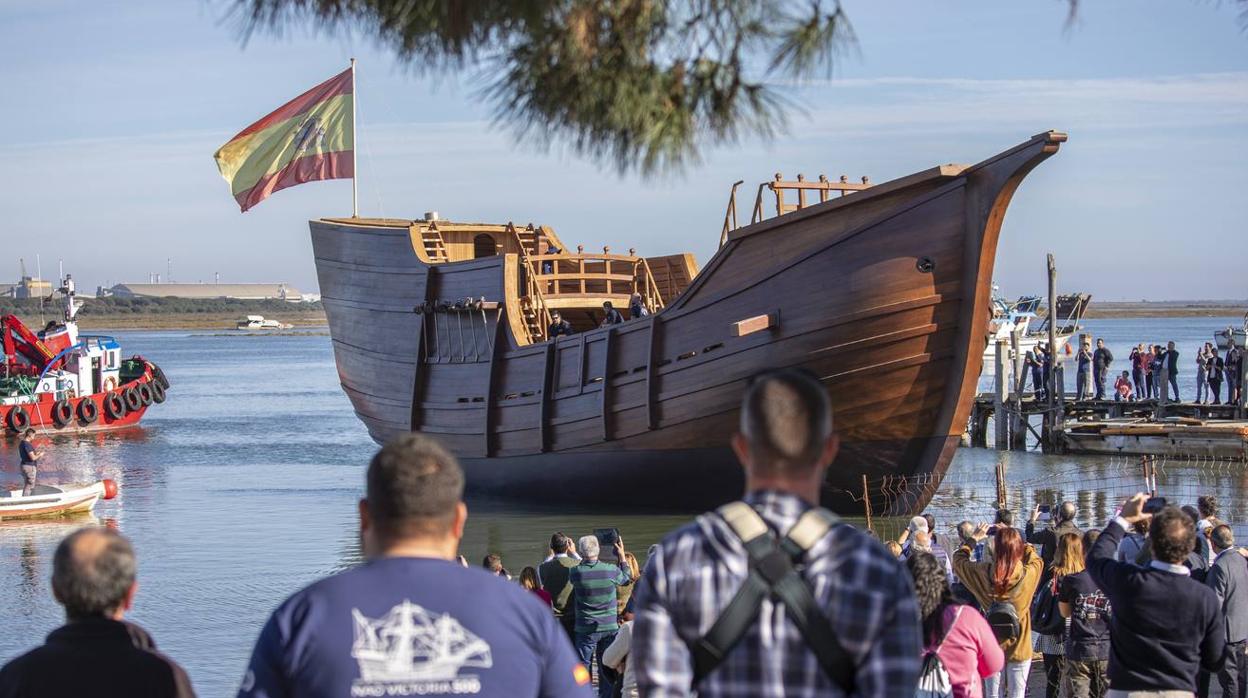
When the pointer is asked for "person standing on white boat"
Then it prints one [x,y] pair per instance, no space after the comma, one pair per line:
[30,462]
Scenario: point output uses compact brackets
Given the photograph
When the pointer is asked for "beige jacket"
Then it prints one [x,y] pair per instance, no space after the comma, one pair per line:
[977,576]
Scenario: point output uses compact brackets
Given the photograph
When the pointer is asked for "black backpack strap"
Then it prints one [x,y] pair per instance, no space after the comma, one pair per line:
[774,573]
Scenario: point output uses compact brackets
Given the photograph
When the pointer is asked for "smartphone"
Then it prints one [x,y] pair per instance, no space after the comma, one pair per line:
[1154,505]
[606,536]
[1046,512]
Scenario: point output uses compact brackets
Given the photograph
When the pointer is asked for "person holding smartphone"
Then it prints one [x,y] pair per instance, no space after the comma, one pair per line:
[1165,627]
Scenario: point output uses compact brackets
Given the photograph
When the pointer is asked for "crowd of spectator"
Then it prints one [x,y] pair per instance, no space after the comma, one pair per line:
[767,596]
[1154,373]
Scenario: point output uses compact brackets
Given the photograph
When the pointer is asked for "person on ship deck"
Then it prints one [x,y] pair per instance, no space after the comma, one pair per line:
[613,316]
[559,326]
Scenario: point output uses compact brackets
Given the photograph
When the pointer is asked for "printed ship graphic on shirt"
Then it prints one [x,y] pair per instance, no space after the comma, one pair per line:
[411,644]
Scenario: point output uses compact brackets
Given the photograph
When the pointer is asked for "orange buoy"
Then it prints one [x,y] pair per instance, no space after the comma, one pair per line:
[110,489]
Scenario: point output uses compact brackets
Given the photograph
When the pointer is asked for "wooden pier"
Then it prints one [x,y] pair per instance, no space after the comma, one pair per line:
[1114,427]
[1068,424]
[1106,426]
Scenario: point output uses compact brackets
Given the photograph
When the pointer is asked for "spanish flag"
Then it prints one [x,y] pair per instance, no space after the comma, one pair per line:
[310,138]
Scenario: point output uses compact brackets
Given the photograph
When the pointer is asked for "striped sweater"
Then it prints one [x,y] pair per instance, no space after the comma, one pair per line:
[593,591]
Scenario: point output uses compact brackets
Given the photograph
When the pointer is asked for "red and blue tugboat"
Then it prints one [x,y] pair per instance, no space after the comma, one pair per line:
[57,380]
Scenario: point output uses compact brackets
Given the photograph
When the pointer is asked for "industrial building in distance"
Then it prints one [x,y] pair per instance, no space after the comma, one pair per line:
[267,291]
[27,287]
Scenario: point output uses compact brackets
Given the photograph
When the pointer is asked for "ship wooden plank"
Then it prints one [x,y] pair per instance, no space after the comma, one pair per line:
[653,347]
[548,382]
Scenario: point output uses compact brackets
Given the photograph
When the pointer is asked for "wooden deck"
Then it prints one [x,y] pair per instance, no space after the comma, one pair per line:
[1140,427]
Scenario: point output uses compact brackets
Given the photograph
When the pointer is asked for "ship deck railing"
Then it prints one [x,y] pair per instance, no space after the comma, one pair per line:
[583,278]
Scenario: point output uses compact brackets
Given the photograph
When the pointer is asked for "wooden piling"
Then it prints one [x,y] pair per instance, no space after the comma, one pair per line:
[1018,425]
[1243,377]
[1000,474]
[1000,422]
[1052,420]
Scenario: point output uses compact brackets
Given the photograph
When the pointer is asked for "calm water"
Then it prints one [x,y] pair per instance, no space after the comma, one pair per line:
[242,488]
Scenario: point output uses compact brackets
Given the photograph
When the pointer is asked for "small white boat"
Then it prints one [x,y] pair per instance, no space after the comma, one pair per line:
[1009,317]
[257,322]
[49,501]
[1224,338]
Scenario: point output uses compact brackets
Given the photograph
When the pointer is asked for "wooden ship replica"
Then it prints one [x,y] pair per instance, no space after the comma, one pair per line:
[883,291]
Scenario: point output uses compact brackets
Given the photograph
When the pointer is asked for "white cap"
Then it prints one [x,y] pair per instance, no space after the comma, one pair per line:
[918,523]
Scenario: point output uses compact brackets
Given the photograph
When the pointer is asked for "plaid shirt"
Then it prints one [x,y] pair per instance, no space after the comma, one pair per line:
[865,593]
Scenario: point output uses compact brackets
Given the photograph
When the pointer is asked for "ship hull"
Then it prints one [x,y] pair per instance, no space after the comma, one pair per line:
[883,294]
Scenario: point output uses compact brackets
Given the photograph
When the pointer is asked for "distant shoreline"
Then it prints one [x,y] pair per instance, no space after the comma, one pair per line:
[1164,309]
[180,321]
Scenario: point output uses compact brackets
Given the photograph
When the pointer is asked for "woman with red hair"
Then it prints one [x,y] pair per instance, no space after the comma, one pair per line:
[1004,587]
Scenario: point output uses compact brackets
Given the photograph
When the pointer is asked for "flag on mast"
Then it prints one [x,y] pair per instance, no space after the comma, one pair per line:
[310,138]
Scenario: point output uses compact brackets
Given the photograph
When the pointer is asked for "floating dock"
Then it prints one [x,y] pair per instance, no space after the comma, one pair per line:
[1142,427]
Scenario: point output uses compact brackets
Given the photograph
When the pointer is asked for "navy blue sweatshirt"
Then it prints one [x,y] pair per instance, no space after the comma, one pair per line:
[1164,626]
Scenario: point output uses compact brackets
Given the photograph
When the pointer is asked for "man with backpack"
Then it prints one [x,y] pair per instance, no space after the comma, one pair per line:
[772,595]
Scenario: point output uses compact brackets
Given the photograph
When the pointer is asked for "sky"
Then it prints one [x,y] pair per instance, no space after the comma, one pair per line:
[114,110]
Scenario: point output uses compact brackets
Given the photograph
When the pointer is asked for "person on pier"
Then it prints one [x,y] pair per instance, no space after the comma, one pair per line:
[1214,369]
[1101,359]
[1202,387]
[1171,357]
[1138,366]
[1122,388]
[1083,381]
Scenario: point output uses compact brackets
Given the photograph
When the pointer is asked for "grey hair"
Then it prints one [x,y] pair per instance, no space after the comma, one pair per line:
[1067,511]
[587,547]
[92,578]
[965,529]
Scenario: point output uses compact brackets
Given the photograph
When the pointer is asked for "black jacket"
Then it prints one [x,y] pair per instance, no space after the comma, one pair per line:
[1101,359]
[1165,626]
[1047,538]
[1172,361]
[95,657]
[563,327]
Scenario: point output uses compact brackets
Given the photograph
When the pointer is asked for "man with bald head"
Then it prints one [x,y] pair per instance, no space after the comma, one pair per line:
[96,652]
[772,595]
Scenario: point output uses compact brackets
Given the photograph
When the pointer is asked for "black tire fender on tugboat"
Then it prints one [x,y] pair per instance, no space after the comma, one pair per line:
[18,419]
[159,375]
[158,393]
[145,394]
[114,406]
[62,413]
[88,411]
[131,396]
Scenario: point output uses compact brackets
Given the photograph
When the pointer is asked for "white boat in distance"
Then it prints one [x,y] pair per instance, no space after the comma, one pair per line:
[1019,315]
[257,322]
[49,501]
[1230,335]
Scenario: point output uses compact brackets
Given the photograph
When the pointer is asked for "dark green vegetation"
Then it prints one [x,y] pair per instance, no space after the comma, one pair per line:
[112,306]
